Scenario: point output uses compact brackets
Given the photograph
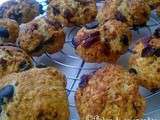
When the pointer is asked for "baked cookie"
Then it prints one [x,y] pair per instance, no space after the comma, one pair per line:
[23,11]
[72,12]
[9,30]
[89,47]
[35,5]
[13,59]
[11,4]
[41,35]
[110,93]
[37,94]
[116,35]
[153,3]
[104,44]
[145,61]
[133,12]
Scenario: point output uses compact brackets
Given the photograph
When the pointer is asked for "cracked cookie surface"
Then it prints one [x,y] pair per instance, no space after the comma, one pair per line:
[13,59]
[145,60]
[103,44]
[72,12]
[21,11]
[41,35]
[109,93]
[9,30]
[39,95]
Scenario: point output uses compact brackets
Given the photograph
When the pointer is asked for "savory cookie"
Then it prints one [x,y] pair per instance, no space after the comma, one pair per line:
[133,12]
[109,93]
[104,44]
[22,11]
[72,12]
[145,61]
[41,35]
[9,30]
[36,94]
[13,59]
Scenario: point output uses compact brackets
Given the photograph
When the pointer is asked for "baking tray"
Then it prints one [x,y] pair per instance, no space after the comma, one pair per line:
[74,67]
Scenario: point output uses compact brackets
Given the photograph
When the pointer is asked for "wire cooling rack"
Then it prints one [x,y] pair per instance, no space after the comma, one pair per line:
[74,67]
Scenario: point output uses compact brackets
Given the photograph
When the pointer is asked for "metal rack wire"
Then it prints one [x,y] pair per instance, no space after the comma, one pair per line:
[74,67]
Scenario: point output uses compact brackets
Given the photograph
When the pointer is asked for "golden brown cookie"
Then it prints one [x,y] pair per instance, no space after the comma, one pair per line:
[145,61]
[116,35]
[88,45]
[153,3]
[22,11]
[9,30]
[13,59]
[37,94]
[110,93]
[41,35]
[72,12]
[133,12]
[104,44]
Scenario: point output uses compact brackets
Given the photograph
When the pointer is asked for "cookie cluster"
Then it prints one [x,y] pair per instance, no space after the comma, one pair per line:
[115,18]
[132,12]
[34,35]
[28,92]
[72,12]
[112,92]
